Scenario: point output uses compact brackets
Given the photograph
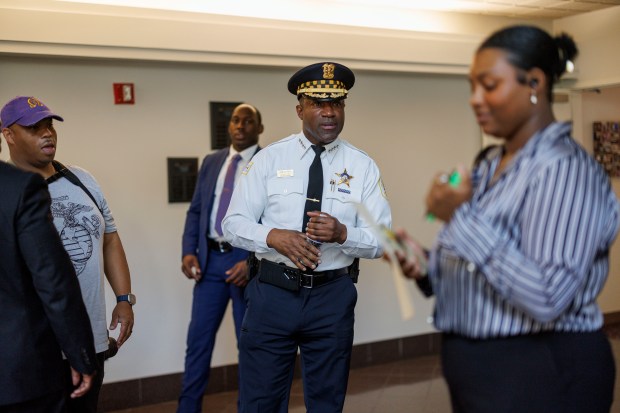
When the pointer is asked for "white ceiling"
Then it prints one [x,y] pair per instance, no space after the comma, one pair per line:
[532,8]
[548,9]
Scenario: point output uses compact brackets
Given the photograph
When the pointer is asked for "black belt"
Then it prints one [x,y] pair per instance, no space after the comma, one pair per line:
[293,279]
[221,246]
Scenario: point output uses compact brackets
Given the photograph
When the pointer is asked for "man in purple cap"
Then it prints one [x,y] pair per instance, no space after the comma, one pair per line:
[82,218]
[40,302]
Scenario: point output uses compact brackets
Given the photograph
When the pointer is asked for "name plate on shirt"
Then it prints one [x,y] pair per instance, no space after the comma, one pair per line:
[283,173]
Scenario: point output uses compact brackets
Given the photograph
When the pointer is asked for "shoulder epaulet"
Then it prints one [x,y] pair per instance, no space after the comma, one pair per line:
[281,141]
[355,148]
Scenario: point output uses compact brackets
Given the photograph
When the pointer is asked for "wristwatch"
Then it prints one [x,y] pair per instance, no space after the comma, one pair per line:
[130,298]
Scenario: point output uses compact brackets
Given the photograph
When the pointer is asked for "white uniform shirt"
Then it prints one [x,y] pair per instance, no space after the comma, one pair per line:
[272,191]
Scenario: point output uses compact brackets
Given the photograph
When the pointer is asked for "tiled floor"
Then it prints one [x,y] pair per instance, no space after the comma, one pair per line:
[399,387]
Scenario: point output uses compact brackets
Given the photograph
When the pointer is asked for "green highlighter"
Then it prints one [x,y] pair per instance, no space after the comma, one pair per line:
[454,180]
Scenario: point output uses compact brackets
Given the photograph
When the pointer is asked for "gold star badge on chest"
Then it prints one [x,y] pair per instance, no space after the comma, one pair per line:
[345,178]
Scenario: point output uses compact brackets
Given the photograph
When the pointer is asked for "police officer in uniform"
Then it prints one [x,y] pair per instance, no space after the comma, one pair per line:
[295,207]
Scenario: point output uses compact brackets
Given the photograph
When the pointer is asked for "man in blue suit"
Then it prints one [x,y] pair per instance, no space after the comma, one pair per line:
[219,269]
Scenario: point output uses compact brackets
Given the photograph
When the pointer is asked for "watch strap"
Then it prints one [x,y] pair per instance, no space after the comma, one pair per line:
[130,298]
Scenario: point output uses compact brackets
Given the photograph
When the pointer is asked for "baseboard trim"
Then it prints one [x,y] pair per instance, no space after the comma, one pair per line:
[158,389]
[611,318]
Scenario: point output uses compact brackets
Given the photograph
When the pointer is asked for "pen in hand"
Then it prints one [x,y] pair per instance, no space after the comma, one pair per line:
[454,180]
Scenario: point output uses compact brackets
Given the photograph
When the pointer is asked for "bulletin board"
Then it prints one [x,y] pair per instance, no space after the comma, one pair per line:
[607,146]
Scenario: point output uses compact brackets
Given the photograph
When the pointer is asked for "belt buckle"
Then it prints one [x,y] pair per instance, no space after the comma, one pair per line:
[222,247]
[303,276]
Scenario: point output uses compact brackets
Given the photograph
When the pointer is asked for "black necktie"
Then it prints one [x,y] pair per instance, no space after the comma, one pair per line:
[315,186]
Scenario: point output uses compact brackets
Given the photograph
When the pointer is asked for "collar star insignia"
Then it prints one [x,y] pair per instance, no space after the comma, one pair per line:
[345,178]
[333,148]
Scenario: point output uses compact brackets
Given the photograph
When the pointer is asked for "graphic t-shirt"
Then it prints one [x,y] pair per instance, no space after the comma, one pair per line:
[81,227]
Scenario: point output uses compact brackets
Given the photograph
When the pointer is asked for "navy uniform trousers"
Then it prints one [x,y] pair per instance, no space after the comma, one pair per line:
[211,296]
[319,322]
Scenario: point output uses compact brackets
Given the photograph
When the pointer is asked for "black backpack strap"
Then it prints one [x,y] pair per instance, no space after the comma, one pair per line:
[64,172]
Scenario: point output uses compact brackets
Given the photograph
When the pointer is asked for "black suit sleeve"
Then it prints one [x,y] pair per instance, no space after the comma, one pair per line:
[54,277]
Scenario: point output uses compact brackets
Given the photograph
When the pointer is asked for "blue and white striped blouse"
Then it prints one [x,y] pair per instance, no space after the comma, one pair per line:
[529,252]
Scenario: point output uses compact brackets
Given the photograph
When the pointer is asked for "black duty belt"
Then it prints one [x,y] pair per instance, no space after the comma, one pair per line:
[221,246]
[293,279]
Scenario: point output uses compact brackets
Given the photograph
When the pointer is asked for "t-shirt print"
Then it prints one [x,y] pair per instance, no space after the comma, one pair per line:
[78,229]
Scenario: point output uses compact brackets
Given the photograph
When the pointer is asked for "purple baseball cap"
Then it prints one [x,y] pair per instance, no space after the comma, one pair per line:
[25,111]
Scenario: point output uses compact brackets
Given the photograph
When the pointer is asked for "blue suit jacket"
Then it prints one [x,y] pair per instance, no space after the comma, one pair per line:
[199,212]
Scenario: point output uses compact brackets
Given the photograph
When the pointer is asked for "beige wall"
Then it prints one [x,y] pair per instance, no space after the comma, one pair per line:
[405,121]
[598,35]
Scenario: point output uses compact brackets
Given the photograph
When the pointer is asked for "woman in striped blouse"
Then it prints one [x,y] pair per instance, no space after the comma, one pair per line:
[523,254]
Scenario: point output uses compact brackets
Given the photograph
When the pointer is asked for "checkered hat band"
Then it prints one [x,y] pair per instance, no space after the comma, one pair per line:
[333,86]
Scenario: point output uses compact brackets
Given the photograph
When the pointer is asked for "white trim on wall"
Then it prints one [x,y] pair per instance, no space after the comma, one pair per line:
[96,31]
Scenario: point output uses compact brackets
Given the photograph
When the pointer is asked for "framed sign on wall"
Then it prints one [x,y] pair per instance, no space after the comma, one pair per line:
[182,177]
[220,116]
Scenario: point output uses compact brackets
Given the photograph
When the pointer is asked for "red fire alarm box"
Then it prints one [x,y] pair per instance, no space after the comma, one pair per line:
[123,94]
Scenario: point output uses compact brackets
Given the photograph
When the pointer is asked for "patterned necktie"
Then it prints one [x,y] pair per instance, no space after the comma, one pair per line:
[315,186]
[227,190]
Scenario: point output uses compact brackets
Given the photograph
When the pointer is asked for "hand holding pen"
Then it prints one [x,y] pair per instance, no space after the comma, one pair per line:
[447,193]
